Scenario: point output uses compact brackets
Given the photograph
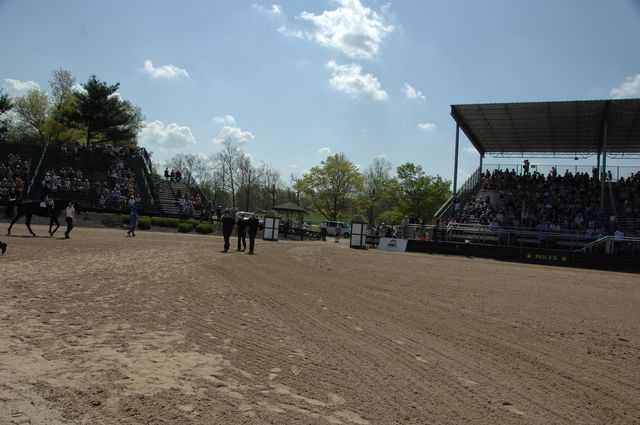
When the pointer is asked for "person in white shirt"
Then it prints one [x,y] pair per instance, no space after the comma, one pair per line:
[70,212]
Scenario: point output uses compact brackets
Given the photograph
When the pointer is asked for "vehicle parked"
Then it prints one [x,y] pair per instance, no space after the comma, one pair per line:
[345,229]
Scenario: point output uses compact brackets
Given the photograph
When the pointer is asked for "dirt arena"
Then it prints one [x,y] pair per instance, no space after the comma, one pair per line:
[165,329]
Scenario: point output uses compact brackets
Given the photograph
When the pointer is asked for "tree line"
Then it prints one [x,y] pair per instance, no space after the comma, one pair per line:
[335,189]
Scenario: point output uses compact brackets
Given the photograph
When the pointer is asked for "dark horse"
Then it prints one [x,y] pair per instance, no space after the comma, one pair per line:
[31,208]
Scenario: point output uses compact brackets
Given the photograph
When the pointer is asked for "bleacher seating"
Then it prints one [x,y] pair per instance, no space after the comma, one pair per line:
[555,202]
[158,197]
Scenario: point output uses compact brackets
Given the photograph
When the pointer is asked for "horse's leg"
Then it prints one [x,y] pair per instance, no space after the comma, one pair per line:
[15,218]
[54,219]
[29,224]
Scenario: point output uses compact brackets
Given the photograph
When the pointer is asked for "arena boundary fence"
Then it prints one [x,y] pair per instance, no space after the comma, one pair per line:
[540,247]
[554,257]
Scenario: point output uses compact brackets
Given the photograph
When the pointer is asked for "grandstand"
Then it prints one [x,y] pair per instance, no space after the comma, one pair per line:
[554,214]
[96,165]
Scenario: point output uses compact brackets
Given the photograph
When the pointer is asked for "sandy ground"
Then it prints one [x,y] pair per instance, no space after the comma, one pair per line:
[165,329]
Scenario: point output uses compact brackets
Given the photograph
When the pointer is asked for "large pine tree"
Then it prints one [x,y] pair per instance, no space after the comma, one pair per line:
[104,115]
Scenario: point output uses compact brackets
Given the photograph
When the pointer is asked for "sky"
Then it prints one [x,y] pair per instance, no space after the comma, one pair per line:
[291,82]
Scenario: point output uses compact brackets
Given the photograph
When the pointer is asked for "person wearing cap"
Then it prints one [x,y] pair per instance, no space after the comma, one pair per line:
[227,228]
[252,226]
[241,231]
[133,221]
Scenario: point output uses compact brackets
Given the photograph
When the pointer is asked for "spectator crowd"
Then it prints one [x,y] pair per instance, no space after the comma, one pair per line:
[14,176]
[556,202]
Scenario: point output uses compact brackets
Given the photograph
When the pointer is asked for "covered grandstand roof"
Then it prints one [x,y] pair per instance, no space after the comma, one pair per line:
[552,128]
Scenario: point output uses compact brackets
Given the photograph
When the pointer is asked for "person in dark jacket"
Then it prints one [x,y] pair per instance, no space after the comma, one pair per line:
[227,228]
[133,221]
[241,231]
[252,226]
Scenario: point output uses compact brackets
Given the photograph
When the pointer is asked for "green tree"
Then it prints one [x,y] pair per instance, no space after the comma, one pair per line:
[103,115]
[378,188]
[61,84]
[420,194]
[32,110]
[5,106]
[332,187]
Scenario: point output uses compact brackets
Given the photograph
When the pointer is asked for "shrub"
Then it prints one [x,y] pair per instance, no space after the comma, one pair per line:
[124,219]
[193,222]
[171,222]
[158,221]
[144,223]
[111,222]
[185,227]
[204,228]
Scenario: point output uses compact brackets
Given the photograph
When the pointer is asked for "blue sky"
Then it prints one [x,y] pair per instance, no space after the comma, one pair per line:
[292,81]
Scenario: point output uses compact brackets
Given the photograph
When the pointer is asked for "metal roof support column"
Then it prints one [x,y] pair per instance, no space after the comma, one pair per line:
[603,175]
[481,158]
[598,166]
[455,161]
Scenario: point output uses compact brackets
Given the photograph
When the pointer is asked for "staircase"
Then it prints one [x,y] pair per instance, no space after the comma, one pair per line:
[147,204]
[465,193]
[166,198]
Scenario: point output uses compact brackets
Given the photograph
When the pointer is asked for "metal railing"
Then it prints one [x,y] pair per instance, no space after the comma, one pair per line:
[469,187]
[37,170]
[512,237]
[613,244]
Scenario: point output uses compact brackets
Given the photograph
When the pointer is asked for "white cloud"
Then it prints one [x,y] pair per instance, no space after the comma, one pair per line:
[383,156]
[427,126]
[411,92]
[349,79]
[275,9]
[17,88]
[169,72]
[233,134]
[170,137]
[630,88]
[226,120]
[294,33]
[294,166]
[325,151]
[470,149]
[353,29]
[77,87]
[463,176]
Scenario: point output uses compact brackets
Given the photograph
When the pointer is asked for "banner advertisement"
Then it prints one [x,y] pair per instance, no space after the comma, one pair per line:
[392,245]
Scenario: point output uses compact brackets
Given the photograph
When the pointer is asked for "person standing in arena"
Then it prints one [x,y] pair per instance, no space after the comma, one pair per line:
[133,221]
[252,226]
[70,212]
[227,228]
[241,231]
[338,230]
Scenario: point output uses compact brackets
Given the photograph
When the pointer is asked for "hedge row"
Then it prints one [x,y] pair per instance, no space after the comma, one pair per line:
[145,223]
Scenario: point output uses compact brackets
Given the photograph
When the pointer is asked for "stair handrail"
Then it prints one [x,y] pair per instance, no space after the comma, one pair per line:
[37,170]
[191,180]
[468,186]
[594,243]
